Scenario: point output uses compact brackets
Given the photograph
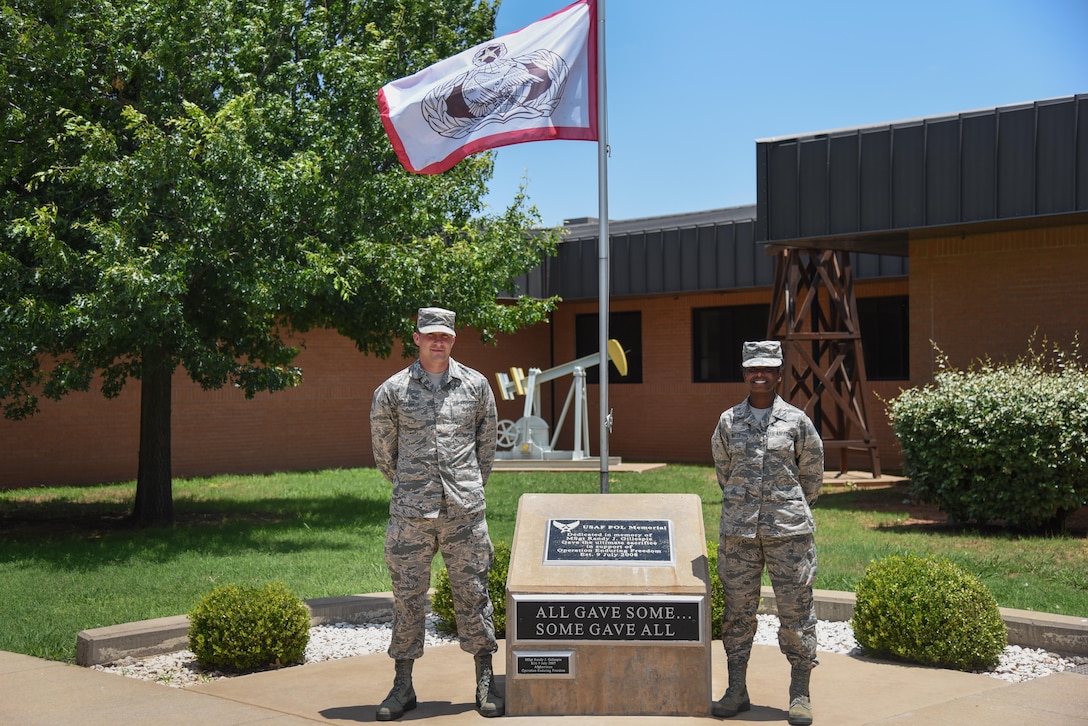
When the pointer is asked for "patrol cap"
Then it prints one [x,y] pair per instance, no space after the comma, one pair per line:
[762,354]
[436,320]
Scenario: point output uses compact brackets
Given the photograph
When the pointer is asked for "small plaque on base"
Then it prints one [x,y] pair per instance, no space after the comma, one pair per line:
[545,663]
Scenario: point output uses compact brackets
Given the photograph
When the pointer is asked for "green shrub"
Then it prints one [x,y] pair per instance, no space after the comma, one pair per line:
[246,628]
[442,601]
[717,592]
[1000,442]
[928,611]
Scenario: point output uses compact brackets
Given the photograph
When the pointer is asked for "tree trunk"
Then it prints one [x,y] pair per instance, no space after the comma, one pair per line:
[154,482]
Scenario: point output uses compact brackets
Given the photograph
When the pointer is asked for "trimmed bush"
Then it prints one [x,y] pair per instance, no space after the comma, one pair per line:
[928,611]
[247,628]
[442,601]
[1000,442]
[717,592]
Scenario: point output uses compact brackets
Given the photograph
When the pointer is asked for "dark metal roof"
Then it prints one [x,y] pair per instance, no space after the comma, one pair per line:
[873,188]
[707,251]
[588,227]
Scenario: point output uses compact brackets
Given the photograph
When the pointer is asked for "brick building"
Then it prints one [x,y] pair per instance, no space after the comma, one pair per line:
[968,230]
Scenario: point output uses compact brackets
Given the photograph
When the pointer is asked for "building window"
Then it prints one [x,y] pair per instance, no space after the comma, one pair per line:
[624,327]
[719,334]
[885,337]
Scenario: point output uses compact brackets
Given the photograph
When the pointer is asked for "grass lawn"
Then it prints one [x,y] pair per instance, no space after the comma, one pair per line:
[69,563]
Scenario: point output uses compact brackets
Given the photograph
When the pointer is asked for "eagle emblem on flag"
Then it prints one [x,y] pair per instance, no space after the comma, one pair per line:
[496,90]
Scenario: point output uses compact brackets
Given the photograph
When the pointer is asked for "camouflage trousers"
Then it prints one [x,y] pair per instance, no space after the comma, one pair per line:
[791,565]
[410,547]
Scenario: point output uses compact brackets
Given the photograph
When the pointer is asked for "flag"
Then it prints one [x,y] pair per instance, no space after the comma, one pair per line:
[534,84]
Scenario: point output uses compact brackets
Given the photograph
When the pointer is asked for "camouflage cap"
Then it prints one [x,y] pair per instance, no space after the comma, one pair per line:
[762,354]
[436,320]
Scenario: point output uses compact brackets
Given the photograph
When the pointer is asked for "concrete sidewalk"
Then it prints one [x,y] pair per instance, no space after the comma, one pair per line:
[846,690]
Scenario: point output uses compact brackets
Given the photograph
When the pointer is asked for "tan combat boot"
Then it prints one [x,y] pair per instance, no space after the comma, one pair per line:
[800,703]
[403,696]
[488,702]
[736,698]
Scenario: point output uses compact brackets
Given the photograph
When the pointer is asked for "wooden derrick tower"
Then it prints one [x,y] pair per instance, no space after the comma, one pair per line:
[815,316]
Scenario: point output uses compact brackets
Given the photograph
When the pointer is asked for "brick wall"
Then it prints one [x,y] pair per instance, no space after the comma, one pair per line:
[985,294]
[975,295]
[85,438]
[670,418]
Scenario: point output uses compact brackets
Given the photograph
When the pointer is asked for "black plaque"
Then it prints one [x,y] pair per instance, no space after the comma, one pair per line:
[633,619]
[545,663]
[608,542]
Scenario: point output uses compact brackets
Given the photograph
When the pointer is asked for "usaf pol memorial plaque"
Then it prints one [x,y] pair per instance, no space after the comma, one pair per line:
[609,542]
[605,584]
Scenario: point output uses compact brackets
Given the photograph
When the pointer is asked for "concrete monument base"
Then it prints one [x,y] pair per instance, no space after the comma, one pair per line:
[608,606]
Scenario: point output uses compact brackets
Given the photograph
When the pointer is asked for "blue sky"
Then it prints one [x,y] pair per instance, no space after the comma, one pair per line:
[692,84]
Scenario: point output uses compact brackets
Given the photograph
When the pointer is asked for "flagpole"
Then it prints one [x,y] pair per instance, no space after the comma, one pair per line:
[603,243]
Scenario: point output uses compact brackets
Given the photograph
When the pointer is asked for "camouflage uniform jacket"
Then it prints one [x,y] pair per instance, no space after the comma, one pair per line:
[769,473]
[436,446]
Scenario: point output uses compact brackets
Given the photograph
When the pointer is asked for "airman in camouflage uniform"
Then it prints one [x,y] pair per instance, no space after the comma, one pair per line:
[769,461]
[433,427]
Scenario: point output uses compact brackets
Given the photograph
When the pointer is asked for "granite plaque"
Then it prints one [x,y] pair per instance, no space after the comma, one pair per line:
[625,619]
[609,542]
[545,663]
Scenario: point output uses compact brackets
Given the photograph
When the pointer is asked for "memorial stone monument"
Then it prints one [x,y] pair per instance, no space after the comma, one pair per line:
[608,606]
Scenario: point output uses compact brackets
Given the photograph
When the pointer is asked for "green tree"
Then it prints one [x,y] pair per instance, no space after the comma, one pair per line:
[188,185]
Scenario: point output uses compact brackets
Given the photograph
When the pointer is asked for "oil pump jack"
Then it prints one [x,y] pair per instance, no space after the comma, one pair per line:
[528,437]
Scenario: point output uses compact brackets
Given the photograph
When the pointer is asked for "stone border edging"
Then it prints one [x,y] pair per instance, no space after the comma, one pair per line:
[1060,634]
[167,635]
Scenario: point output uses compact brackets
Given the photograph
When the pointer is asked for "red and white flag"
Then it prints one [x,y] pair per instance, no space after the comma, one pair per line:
[535,84]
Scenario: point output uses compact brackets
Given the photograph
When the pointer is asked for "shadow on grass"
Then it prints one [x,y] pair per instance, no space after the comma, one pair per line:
[890,498]
[918,517]
[85,536]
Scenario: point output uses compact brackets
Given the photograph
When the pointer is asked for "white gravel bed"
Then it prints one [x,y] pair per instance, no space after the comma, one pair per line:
[1015,665]
[327,642]
[344,640]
